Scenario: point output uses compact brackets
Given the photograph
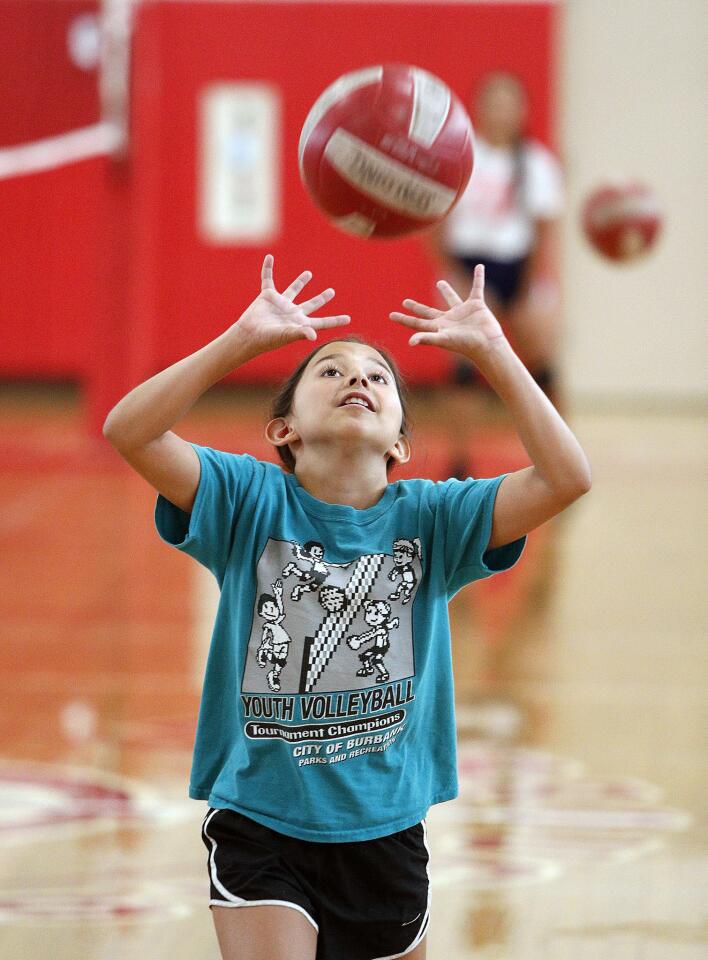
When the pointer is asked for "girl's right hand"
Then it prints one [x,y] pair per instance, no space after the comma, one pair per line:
[274,320]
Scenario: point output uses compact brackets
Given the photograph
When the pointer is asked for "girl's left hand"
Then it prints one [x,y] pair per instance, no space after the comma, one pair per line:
[468,327]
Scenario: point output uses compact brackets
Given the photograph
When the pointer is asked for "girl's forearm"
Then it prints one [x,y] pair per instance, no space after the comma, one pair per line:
[549,441]
[155,406]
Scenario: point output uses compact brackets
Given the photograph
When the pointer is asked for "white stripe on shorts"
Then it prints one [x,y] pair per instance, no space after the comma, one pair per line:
[423,929]
[232,899]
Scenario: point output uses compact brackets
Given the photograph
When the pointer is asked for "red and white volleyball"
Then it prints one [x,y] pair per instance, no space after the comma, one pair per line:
[622,221]
[386,150]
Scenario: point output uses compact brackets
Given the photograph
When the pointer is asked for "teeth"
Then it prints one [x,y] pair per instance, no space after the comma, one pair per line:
[361,403]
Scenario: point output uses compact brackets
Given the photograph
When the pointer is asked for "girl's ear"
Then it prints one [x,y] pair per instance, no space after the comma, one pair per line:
[400,451]
[280,433]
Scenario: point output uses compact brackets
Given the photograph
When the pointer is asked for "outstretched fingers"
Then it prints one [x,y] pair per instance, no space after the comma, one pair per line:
[296,286]
[426,318]
[452,298]
[321,323]
[477,292]
[314,303]
[308,330]
[429,337]
[307,333]
[267,273]
[416,323]
[422,309]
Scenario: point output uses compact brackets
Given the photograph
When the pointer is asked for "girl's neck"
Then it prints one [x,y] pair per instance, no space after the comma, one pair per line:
[355,482]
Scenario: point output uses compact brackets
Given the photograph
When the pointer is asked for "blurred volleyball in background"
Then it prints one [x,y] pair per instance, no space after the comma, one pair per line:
[386,150]
[623,220]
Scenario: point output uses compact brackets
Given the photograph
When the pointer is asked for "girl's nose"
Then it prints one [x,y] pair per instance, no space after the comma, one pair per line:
[363,379]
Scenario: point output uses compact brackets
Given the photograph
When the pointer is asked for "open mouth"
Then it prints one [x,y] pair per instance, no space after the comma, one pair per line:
[357,400]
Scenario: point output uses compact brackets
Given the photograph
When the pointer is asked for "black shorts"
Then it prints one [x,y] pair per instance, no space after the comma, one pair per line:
[367,900]
[501,277]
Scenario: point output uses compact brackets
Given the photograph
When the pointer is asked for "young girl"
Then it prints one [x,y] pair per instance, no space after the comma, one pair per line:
[509,219]
[318,793]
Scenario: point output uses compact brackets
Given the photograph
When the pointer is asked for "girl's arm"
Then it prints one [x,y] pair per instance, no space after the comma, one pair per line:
[560,473]
[139,426]
[278,592]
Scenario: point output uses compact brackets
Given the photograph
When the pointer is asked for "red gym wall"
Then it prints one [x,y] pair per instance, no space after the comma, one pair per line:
[50,222]
[104,275]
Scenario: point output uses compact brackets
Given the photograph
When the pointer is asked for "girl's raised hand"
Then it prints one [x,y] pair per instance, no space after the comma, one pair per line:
[274,319]
[468,327]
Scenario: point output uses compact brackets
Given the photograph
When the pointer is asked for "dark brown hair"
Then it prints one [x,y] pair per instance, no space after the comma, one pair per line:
[283,400]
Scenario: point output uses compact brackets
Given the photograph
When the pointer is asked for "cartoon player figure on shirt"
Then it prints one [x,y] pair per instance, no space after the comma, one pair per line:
[378,613]
[404,553]
[312,553]
[275,642]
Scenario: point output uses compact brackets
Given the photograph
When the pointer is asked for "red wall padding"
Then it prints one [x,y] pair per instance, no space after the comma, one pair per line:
[50,256]
[167,291]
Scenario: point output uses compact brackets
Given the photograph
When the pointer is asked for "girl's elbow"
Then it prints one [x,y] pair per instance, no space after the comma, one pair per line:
[580,486]
[573,488]
[115,435]
[585,479]
[112,433]
[109,429]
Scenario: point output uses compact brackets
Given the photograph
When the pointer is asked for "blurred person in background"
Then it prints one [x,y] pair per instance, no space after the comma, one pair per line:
[508,219]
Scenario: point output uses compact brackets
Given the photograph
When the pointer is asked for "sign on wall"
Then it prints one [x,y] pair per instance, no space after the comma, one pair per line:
[239,168]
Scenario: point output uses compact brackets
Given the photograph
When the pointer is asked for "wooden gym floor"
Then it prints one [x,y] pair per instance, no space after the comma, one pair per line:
[581,682]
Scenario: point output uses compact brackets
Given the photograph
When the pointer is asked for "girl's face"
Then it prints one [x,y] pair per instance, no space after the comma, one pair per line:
[347,393]
[500,110]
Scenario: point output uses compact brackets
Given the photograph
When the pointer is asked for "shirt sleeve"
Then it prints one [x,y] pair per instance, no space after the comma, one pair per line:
[467,511]
[207,533]
[545,187]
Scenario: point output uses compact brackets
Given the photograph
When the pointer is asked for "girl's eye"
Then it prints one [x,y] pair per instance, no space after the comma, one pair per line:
[381,377]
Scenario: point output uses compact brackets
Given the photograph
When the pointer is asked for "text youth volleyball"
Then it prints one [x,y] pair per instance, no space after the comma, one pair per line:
[386,150]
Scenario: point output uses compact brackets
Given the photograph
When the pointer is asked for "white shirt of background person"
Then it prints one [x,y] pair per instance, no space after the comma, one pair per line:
[495,218]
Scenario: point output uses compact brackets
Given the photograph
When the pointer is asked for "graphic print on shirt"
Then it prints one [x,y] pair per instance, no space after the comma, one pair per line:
[274,639]
[341,627]
[404,553]
[378,615]
[313,573]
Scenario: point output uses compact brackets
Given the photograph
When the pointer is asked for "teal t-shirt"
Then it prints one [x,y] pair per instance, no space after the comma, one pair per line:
[327,711]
